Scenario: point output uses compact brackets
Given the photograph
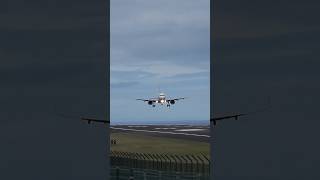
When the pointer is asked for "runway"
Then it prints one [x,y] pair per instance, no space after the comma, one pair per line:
[186,132]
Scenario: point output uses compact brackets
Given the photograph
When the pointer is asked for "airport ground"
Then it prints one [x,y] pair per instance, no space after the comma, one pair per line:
[173,139]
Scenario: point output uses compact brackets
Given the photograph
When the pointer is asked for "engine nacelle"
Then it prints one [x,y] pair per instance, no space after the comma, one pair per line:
[172,101]
[150,102]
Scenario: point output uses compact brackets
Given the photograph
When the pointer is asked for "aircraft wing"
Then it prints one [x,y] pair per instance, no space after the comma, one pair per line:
[235,116]
[146,100]
[89,120]
[176,99]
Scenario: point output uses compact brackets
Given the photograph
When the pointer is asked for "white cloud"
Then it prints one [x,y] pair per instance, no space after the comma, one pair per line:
[160,69]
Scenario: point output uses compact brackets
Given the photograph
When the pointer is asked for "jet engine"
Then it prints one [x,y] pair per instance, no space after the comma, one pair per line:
[172,101]
[150,102]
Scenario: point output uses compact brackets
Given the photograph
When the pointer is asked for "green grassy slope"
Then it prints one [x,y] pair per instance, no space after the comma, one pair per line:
[131,142]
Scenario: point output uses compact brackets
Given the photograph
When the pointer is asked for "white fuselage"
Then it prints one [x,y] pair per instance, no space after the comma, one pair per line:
[162,99]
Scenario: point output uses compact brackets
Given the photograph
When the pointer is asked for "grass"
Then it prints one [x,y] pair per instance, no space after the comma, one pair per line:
[132,142]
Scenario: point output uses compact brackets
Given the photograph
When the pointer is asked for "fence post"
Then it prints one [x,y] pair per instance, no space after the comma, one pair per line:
[156,161]
[123,157]
[191,163]
[152,161]
[126,156]
[203,164]
[208,161]
[176,163]
[165,162]
[181,168]
[118,159]
[146,162]
[142,162]
[186,163]
[159,157]
[197,170]
[170,164]
[133,161]
[136,160]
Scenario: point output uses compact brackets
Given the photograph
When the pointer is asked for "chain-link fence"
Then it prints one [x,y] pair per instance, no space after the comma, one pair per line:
[193,164]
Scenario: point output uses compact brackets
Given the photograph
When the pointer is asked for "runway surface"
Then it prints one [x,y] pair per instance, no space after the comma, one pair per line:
[186,132]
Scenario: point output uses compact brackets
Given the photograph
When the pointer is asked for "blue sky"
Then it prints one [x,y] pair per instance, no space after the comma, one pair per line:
[159,44]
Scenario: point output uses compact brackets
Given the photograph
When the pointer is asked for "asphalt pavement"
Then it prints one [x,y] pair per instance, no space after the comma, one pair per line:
[186,132]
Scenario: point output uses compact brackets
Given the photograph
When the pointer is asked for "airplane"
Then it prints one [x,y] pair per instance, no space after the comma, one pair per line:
[214,120]
[161,99]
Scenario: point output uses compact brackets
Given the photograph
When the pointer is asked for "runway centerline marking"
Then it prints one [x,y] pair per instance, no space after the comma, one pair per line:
[161,132]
